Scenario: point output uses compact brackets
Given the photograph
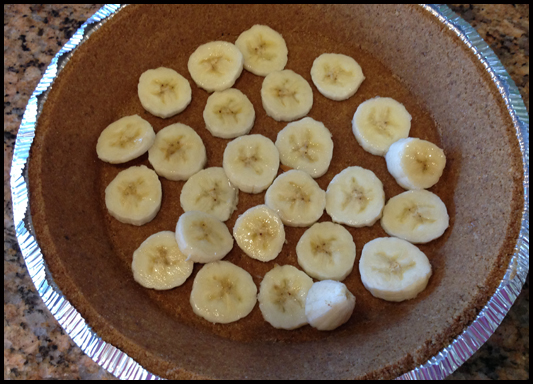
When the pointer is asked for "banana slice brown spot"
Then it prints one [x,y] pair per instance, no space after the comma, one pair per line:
[394,267]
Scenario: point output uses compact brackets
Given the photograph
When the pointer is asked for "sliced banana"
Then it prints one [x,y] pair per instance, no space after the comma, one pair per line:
[264,50]
[282,296]
[415,216]
[415,163]
[125,140]
[159,264]
[216,65]
[329,305]
[178,152]
[229,114]
[210,191]
[297,198]
[306,145]
[251,162]
[223,292]
[379,122]
[286,95]
[336,76]
[355,197]
[202,237]
[134,195]
[326,251]
[393,269]
[164,92]
[260,233]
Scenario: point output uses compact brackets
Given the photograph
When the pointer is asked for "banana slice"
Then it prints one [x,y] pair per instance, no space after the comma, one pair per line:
[210,191]
[125,139]
[326,251]
[202,237]
[296,198]
[251,162]
[286,95]
[415,216]
[178,152]
[229,114]
[329,305]
[264,50]
[260,233]
[159,264]
[306,145]
[282,296]
[216,65]
[415,163]
[134,195]
[393,269]
[355,197]
[379,122]
[164,92]
[336,76]
[223,292]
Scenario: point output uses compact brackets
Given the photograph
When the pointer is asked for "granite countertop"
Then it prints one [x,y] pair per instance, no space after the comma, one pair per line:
[36,347]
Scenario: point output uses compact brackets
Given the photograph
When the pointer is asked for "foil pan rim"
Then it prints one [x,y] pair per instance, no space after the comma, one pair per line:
[123,366]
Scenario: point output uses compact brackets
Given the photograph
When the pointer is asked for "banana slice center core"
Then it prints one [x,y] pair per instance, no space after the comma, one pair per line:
[356,194]
[206,234]
[251,161]
[176,146]
[260,49]
[212,63]
[381,122]
[415,212]
[307,149]
[285,292]
[160,257]
[211,195]
[285,93]
[333,74]
[131,196]
[127,137]
[164,90]
[392,265]
[297,196]
[323,248]
[225,289]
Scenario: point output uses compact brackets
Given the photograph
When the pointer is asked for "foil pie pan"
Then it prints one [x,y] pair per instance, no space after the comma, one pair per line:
[124,367]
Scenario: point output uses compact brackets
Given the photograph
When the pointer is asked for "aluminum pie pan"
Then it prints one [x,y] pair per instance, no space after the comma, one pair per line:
[124,367]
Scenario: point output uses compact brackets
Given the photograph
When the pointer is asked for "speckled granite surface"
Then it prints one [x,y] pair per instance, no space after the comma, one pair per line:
[35,346]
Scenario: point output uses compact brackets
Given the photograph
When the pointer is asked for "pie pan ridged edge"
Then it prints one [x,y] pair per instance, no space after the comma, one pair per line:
[124,367]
